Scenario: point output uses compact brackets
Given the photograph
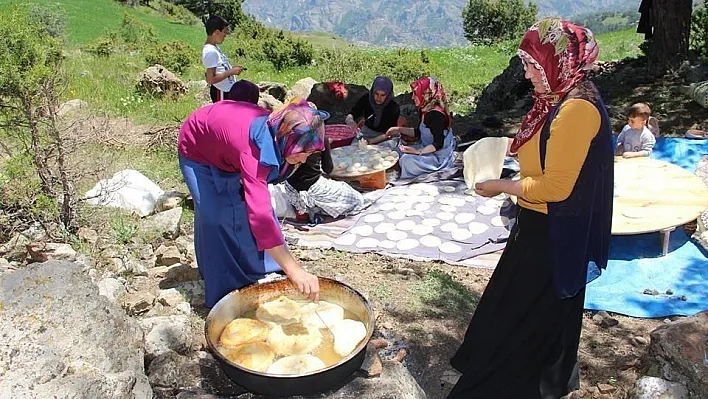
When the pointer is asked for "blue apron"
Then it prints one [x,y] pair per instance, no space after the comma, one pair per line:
[225,248]
[413,166]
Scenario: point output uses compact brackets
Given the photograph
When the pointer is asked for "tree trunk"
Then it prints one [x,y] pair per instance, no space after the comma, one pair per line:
[671,21]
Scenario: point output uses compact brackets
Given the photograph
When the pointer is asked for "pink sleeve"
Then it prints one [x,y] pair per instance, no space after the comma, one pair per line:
[263,224]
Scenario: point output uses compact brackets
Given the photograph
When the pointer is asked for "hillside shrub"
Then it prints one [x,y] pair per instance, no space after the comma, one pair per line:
[487,22]
[136,34]
[103,46]
[176,56]
[403,66]
[284,52]
[174,12]
[699,30]
[52,20]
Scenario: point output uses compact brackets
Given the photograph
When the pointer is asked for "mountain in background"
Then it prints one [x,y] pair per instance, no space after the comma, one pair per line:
[391,23]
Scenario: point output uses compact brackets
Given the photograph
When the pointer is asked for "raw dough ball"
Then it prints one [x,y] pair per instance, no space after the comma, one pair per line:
[346,240]
[403,206]
[351,169]
[407,244]
[397,215]
[242,331]
[343,165]
[449,189]
[422,207]
[413,212]
[405,225]
[464,218]
[357,165]
[412,192]
[445,216]
[347,335]
[448,227]
[294,339]
[363,231]
[396,235]
[378,166]
[461,234]
[387,164]
[478,228]
[386,244]
[431,222]
[281,310]
[426,199]
[374,218]
[448,208]
[500,221]
[363,169]
[296,365]
[485,210]
[384,228]
[451,201]
[367,242]
[430,241]
[387,206]
[257,356]
[449,248]
[422,230]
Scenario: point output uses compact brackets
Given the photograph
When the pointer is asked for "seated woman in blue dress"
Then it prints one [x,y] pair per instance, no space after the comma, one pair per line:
[437,143]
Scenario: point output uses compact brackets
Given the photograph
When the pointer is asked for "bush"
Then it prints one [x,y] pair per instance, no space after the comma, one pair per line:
[174,12]
[699,30]
[135,33]
[487,22]
[176,56]
[284,52]
[52,20]
[103,46]
[403,67]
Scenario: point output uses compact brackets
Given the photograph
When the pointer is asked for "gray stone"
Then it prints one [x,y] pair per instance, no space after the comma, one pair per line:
[112,289]
[302,87]
[179,273]
[193,292]
[276,90]
[680,348]
[71,107]
[185,244]
[167,255]
[184,308]
[145,253]
[170,297]
[197,85]
[44,251]
[169,200]
[159,81]
[269,102]
[166,333]
[199,370]
[16,248]
[87,235]
[654,388]
[165,223]
[138,302]
[61,339]
[395,382]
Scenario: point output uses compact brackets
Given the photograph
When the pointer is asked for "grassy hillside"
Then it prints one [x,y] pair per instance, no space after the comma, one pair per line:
[107,84]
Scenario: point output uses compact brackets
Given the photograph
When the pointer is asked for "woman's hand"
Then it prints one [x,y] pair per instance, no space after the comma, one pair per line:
[306,283]
[392,131]
[409,150]
[487,189]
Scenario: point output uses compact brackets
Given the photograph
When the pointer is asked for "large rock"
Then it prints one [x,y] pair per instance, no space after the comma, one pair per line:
[159,81]
[44,251]
[269,102]
[61,339]
[653,388]
[680,348]
[506,89]
[276,90]
[302,88]
[71,107]
[165,223]
[166,333]
[338,109]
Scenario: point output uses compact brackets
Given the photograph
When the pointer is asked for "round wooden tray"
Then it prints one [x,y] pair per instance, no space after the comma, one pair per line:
[653,195]
[339,173]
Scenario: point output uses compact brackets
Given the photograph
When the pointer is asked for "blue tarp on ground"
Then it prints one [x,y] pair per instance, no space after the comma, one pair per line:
[636,263]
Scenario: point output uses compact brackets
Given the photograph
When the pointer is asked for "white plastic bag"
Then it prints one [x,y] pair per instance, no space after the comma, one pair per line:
[484,160]
[129,190]
[279,200]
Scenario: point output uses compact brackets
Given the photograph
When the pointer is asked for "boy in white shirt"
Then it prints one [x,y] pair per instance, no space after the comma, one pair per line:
[219,73]
[636,140]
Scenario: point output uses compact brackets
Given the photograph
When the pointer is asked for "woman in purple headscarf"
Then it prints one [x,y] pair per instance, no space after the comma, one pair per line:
[246,91]
[375,112]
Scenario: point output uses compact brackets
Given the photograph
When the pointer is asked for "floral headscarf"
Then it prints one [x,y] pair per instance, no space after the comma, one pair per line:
[563,52]
[386,85]
[431,96]
[296,128]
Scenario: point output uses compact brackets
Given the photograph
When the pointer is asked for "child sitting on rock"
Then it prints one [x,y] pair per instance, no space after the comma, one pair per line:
[636,140]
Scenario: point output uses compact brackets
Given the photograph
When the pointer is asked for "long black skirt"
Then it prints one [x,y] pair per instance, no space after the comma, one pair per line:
[522,342]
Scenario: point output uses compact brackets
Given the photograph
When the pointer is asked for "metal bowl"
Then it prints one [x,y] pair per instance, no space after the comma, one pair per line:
[238,302]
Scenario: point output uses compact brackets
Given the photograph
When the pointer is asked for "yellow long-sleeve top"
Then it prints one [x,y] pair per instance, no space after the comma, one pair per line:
[575,125]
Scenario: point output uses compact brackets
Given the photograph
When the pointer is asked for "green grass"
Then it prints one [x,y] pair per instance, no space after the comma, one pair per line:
[439,293]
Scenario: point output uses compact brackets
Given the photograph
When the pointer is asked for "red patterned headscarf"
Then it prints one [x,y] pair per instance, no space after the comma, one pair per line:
[563,52]
[431,96]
